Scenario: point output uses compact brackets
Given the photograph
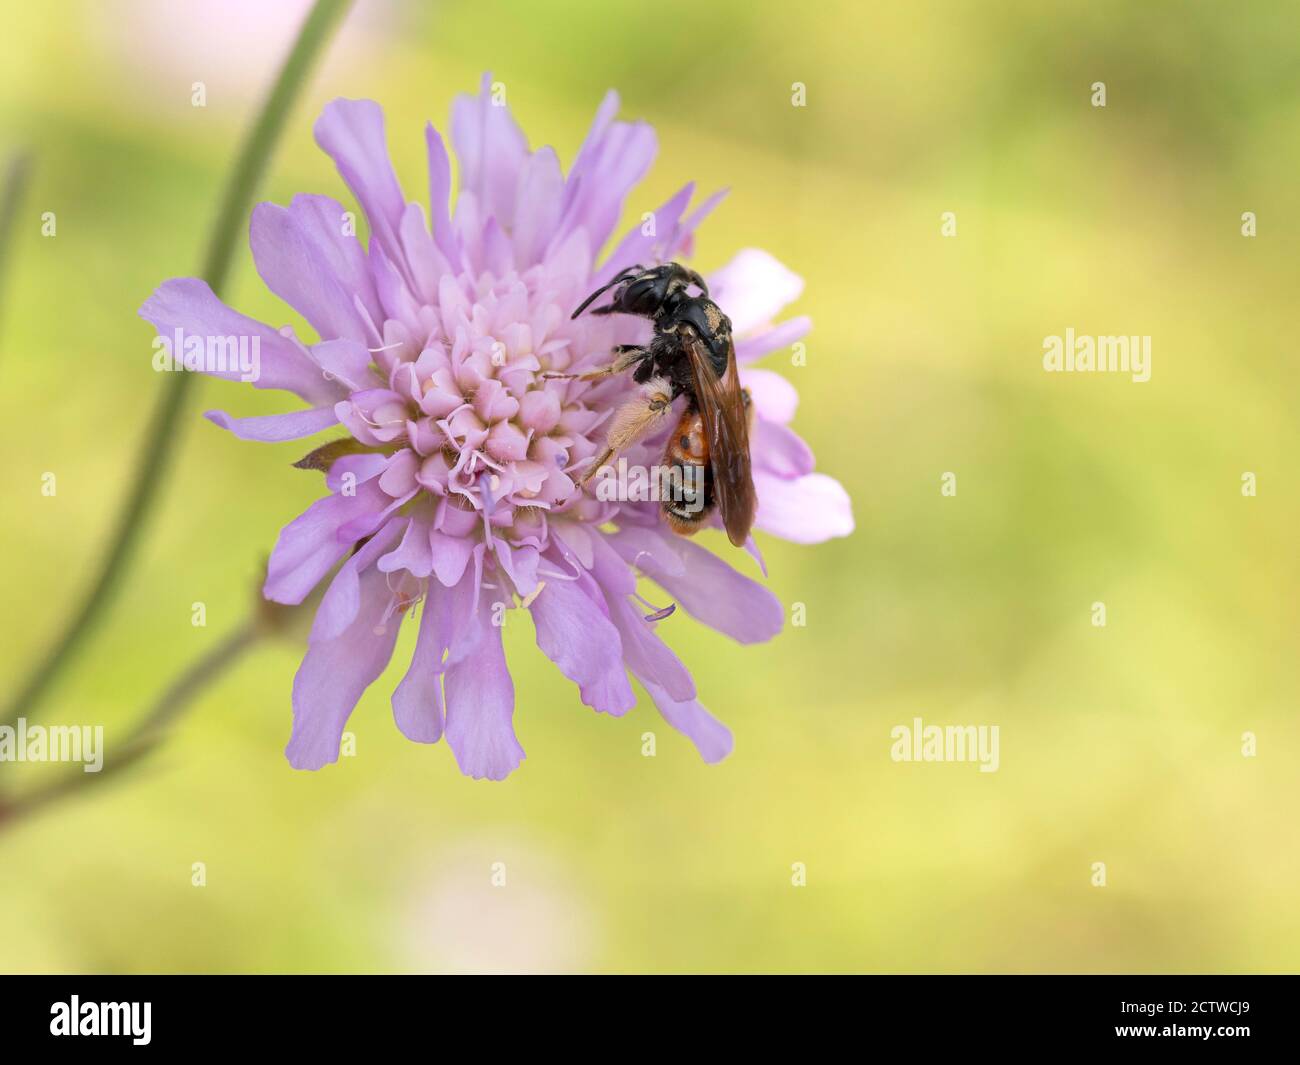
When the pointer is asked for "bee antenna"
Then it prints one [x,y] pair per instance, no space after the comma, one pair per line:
[621,276]
[588,301]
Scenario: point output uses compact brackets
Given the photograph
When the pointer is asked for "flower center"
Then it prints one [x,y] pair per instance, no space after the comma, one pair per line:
[490,435]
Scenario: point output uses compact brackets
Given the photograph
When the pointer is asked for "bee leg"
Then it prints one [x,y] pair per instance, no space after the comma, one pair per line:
[638,417]
[628,356]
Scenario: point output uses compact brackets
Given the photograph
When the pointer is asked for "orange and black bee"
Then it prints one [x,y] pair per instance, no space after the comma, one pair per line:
[691,353]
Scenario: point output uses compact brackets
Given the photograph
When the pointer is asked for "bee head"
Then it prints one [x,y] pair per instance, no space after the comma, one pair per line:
[648,293]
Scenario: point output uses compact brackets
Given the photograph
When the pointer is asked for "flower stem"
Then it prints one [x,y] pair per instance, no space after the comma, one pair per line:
[15,183]
[158,445]
[149,731]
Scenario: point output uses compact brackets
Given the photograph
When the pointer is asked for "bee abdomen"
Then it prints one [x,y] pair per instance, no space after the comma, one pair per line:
[685,478]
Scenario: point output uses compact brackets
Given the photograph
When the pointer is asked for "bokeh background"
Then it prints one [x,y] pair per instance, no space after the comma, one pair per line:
[1120,744]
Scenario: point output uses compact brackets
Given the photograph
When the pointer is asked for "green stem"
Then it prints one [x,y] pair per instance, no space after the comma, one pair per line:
[15,183]
[151,729]
[158,446]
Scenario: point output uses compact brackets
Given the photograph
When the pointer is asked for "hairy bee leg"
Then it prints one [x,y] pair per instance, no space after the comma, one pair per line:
[638,417]
[628,356]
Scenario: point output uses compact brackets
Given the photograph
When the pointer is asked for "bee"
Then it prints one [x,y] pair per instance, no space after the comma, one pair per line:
[706,460]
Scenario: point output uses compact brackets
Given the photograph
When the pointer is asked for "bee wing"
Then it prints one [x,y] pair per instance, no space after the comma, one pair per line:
[726,427]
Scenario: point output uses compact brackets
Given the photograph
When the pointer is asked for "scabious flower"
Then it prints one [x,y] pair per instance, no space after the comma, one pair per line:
[456,484]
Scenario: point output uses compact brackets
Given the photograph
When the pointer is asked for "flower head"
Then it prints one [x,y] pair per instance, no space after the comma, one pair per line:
[456,485]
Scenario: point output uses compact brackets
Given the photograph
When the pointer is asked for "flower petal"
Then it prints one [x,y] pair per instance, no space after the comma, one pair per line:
[753,288]
[647,656]
[342,601]
[706,586]
[348,362]
[638,246]
[188,305]
[480,698]
[440,198]
[614,158]
[418,707]
[450,555]
[519,564]
[766,341]
[352,133]
[427,263]
[576,634]
[779,450]
[806,510]
[647,549]
[336,672]
[775,398]
[537,206]
[348,471]
[298,255]
[309,547]
[681,239]
[276,427]
[491,150]
[711,737]
[413,553]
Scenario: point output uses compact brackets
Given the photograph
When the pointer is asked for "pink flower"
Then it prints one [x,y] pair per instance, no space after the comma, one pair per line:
[456,484]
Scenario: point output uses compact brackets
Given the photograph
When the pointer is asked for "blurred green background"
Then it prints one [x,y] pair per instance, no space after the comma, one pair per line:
[1119,744]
